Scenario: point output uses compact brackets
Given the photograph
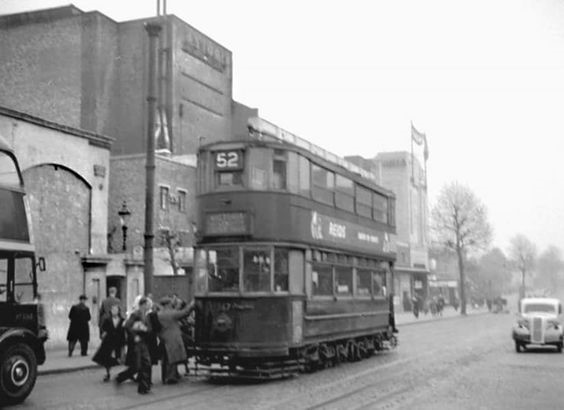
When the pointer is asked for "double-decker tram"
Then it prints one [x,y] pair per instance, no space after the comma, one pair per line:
[294,263]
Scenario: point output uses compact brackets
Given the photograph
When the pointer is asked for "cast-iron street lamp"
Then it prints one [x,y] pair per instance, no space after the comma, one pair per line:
[124,214]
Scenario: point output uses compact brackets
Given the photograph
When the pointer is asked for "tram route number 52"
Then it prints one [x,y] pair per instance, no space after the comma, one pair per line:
[228,160]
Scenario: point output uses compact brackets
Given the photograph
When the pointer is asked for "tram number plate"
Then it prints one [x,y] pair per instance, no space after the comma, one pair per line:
[229,160]
[226,223]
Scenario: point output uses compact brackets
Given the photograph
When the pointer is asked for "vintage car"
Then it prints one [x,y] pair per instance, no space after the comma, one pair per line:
[538,323]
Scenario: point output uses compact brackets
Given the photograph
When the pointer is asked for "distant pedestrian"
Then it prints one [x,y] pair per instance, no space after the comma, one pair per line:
[79,330]
[174,351]
[138,358]
[106,306]
[113,339]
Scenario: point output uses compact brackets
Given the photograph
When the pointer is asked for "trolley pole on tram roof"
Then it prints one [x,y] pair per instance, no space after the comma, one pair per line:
[153,29]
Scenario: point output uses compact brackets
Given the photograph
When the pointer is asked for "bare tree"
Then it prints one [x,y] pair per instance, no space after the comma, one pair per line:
[522,253]
[459,222]
[492,274]
[549,267]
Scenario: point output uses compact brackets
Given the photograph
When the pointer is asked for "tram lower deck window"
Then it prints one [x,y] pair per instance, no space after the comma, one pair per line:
[322,278]
[343,280]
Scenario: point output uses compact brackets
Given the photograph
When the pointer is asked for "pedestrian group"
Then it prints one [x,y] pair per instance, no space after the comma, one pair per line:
[150,332]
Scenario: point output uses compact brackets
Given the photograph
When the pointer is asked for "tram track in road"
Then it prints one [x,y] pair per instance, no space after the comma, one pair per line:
[152,401]
[387,382]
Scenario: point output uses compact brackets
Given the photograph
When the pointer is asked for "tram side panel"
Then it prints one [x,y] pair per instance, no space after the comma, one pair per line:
[326,320]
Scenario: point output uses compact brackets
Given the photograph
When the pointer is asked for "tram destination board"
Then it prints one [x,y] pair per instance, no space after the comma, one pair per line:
[227,223]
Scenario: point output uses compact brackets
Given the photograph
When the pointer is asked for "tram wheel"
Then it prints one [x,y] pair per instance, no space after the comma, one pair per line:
[18,372]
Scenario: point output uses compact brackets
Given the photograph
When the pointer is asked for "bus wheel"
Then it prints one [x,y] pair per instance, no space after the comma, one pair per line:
[18,372]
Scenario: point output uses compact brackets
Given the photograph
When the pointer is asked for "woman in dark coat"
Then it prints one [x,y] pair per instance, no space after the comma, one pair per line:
[79,330]
[113,338]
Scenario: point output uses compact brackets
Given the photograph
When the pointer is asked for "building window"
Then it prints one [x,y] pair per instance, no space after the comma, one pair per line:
[182,200]
[164,196]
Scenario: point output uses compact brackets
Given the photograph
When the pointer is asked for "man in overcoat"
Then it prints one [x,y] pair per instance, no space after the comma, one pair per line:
[174,351]
[106,306]
[79,330]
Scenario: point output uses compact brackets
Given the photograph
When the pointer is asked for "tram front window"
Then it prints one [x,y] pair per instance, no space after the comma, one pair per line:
[256,270]
[281,269]
[223,270]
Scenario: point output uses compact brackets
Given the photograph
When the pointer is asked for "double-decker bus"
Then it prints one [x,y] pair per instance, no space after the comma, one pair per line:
[294,262]
[22,327]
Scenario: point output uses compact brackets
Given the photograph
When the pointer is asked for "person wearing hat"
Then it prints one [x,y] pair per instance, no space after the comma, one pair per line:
[171,338]
[79,330]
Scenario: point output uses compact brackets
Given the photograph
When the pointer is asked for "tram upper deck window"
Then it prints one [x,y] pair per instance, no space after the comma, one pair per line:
[323,184]
[344,193]
[279,169]
[392,211]
[380,208]
[363,202]
[304,176]
[8,172]
[256,269]
[223,270]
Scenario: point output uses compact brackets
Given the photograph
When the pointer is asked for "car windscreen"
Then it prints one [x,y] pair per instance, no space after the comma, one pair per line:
[539,307]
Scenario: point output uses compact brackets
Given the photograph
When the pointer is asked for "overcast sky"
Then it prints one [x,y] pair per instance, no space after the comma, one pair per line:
[484,79]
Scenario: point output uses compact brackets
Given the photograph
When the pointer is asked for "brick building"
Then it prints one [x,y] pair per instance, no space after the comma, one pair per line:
[65,171]
[405,176]
[85,70]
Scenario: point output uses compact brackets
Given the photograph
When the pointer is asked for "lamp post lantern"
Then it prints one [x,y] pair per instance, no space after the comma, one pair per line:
[124,214]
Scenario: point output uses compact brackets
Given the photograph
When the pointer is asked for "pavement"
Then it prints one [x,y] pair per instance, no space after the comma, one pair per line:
[59,362]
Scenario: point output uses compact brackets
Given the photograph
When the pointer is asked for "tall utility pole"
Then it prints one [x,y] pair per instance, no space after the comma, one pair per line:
[153,29]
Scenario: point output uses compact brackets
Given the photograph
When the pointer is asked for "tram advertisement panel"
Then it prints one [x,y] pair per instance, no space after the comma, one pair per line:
[329,230]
